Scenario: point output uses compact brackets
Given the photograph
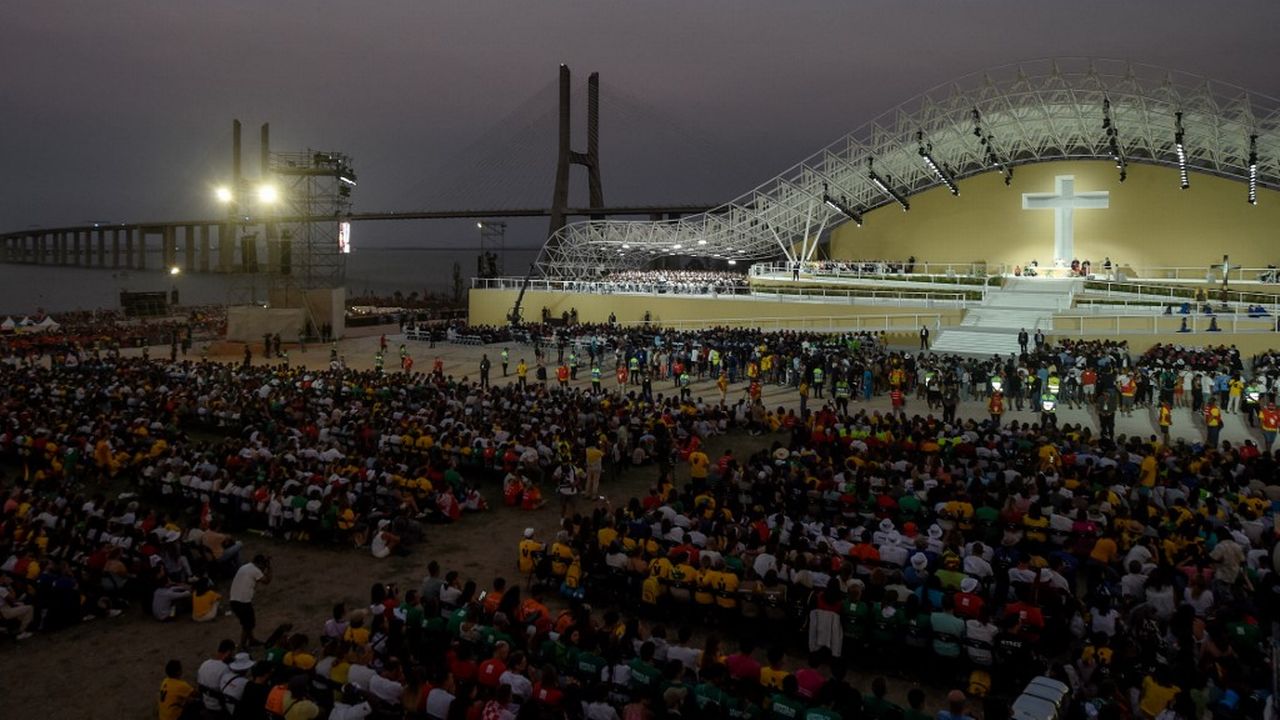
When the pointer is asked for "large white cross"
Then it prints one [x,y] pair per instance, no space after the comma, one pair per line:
[1064,202]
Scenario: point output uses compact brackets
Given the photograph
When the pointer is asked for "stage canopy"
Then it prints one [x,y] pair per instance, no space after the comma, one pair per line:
[992,121]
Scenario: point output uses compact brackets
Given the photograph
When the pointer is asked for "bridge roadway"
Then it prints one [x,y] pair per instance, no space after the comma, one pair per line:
[221,245]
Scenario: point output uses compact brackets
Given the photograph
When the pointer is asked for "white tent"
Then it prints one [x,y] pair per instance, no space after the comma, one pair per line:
[25,322]
[8,325]
[48,324]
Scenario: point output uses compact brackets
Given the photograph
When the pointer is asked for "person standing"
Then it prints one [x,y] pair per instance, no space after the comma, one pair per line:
[1107,413]
[484,371]
[995,407]
[243,588]
[1023,339]
[1269,419]
[924,337]
[506,357]
[1166,420]
[1213,421]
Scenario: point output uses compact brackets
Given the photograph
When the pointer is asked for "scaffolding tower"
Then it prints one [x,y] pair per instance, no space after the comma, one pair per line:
[315,194]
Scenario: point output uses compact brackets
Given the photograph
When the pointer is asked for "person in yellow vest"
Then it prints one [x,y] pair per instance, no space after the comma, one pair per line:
[1213,421]
[1269,419]
[1166,421]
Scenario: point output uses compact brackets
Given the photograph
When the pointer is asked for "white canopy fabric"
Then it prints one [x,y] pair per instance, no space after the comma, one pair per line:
[8,324]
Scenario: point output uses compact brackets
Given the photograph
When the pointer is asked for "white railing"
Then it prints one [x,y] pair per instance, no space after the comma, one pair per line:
[874,269]
[888,322]
[901,298]
[1135,324]
[1186,273]
[1177,296]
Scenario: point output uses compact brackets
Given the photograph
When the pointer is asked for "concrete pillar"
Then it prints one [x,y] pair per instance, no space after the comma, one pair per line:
[226,247]
[41,244]
[189,251]
[169,246]
[102,247]
[115,248]
[128,248]
[77,257]
[141,261]
[204,248]
[60,248]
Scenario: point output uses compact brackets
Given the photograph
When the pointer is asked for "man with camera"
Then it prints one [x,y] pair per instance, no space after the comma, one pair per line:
[246,582]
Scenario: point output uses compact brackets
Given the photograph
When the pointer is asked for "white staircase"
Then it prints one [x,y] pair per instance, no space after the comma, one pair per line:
[992,327]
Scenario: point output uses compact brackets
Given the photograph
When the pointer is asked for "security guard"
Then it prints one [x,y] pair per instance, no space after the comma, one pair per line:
[842,395]
[573,365]
[1048,410]
[595,378]
[506,357]
[818,377]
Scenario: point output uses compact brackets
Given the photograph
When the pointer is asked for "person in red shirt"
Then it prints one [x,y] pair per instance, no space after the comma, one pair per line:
[968,603]
[562,375]
[546,692]
[897,399]
[741,665]
[491,670]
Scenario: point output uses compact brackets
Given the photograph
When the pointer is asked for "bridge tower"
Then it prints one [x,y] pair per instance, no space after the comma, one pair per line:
[566,156]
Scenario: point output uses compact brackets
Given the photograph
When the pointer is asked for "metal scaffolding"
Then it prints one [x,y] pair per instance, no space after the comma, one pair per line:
[992,121]
[312,184]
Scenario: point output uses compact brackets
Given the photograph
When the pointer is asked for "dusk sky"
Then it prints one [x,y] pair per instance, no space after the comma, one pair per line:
[121,110]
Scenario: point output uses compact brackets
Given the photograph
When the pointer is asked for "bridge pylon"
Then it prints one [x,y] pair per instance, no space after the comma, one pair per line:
[566,156]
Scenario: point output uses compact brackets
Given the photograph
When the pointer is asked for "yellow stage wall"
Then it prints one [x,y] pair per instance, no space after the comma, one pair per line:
[1150,221]
[490,307]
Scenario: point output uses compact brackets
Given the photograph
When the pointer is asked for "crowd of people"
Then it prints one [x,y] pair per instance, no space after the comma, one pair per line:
[1139,570]
[682,282]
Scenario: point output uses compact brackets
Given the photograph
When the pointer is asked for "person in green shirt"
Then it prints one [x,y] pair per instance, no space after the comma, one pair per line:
[785,705]
[876,706]
[710,699]
[644,674]
[745,704]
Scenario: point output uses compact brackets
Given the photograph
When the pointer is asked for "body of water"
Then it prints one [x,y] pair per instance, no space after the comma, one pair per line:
[24,288]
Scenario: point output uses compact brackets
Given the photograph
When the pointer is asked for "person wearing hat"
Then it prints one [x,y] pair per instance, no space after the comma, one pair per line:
[235,680]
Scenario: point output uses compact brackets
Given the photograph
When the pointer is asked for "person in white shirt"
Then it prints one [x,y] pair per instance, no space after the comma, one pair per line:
[521,688]
[209,675]
[387,685]
[235,680]
[441,698]
[243,587]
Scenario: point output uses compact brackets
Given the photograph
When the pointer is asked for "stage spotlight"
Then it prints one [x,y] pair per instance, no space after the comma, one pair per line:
[1181,149]
[840,206]
[988,142]
[884,187]
[223,194]
[935,166]
[1253,169]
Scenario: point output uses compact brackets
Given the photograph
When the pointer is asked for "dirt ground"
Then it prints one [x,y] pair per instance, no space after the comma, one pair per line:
[112,668]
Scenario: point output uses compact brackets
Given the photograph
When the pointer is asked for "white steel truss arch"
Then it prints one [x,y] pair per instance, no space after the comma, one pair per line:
[1042,110]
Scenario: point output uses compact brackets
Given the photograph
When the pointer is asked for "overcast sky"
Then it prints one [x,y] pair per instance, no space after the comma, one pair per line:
[120,110]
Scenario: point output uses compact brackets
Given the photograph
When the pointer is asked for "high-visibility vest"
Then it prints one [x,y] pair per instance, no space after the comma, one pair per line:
[842,388]
[1054,383]
[817,375]
[505,356]
[1048,402]
[595,374]
[997,383]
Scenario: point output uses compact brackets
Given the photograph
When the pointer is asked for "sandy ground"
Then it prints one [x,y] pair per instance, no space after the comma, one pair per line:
[115,665]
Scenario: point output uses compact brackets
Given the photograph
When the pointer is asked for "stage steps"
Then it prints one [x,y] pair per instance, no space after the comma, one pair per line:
[992,327]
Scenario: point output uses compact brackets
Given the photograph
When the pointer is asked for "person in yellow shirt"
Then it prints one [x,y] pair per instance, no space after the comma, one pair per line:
[1147,471]
[175,693]
[298,656]
[529,552]
[595,468]
[708,581]
[1157,693]
[699,465]
[204,602]
[606,535]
